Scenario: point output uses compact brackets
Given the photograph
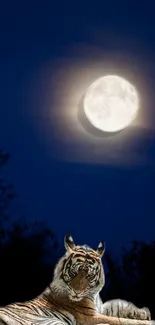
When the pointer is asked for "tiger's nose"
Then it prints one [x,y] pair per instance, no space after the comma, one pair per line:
[78,292]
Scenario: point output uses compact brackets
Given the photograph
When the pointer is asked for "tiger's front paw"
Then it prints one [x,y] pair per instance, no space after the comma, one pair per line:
[141,314]
[146,313]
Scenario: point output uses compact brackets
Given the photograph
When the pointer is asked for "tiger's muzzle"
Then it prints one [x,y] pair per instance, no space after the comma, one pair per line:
[79,285]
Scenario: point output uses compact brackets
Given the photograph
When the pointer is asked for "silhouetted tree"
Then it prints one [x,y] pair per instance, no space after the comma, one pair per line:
[133,278]
[139,273]
[114,284]
[6,190]
[27,261]
[28,250]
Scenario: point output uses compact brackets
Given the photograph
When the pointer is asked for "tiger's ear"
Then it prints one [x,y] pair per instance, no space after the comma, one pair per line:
[101,248]
[69,243]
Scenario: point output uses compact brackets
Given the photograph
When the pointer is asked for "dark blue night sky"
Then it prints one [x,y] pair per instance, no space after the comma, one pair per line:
[96,188]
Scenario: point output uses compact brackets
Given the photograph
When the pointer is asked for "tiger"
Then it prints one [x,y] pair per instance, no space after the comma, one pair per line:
[73,296]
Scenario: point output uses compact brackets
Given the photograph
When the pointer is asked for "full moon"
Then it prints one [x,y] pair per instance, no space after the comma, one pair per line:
[111,103]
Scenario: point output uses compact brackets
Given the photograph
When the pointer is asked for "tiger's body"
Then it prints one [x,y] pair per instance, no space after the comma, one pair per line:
[73,296]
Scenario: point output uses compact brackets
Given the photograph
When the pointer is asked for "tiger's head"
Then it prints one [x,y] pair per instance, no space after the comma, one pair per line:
[79,273]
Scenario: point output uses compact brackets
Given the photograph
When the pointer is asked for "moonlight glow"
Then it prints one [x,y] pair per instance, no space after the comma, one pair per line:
[111,103]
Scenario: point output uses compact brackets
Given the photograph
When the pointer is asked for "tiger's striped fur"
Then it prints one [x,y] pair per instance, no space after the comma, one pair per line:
[73,298]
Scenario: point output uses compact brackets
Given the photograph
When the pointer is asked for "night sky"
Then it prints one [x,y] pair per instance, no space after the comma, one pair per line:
[76,179]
